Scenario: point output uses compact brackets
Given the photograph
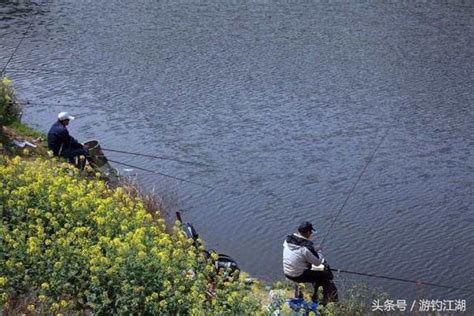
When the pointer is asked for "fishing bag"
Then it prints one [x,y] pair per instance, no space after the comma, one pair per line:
[226,263]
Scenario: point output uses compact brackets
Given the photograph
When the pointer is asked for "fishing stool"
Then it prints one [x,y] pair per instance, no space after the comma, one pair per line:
[297,289]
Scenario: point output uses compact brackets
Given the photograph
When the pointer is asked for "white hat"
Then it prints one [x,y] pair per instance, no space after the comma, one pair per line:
[65,116]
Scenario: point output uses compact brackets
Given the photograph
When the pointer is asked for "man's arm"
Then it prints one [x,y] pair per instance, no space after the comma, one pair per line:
[53,143]
[74,143]
[311,258]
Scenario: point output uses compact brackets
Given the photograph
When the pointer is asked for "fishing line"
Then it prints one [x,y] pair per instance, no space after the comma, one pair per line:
[355,185]
[156,157]
[58,72]
[49,104]
[213,168]
[17,46]
[233,193]
[38,69]
[379,276]
[162,174]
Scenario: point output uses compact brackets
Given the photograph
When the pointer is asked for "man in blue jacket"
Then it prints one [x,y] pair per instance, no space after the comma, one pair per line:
[61,143]
[303,264]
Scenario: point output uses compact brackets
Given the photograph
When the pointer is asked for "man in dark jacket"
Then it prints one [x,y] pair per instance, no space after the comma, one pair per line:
[303,264]
[61,143]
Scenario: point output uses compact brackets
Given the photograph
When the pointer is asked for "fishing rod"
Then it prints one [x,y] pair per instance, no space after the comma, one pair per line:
[17,46]
[156,157]
[162,174]
[183,180]
[355,184]
[213,168]
[374,275]
[37,69]
[54,71]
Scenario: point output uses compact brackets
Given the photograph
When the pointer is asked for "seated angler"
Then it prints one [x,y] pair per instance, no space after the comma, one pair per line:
[62,144]
[301,260]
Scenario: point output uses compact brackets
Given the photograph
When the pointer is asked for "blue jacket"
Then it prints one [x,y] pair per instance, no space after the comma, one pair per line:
[59,139]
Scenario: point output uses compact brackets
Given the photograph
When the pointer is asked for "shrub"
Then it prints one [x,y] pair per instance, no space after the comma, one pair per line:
[9,108]
[71,244]
[357,301]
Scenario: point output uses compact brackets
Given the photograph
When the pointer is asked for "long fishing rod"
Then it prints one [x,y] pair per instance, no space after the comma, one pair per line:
[17,46]
[355,185]
[156,157]
[37,69]
[162,174]
[213,168]
[374,275]
[183,180]
[53,71]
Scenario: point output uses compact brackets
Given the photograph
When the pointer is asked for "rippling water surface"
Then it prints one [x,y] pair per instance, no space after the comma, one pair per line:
[286,101]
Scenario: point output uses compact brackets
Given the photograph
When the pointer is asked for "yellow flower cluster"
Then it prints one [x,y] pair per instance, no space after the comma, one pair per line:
[82,246]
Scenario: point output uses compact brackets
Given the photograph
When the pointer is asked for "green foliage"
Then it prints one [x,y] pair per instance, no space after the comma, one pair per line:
[71,244]
[9,109]
[24,130]
[357,302]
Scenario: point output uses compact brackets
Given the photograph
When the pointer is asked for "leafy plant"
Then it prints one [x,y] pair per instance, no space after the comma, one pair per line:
[72,244]
[9,108]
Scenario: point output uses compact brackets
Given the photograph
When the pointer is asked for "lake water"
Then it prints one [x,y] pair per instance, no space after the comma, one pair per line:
[286,101]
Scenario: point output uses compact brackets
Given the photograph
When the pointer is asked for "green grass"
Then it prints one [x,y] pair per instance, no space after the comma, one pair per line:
[25,130]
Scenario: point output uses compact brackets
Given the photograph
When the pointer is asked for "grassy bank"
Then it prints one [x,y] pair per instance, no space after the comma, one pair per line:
[72,244]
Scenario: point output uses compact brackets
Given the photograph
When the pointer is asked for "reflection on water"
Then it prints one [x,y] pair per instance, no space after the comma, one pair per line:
[286,101]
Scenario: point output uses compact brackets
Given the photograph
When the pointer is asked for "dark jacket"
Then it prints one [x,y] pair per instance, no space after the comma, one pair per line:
[59,139]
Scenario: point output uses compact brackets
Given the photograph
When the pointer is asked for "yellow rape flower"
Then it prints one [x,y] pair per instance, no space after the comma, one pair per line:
[141,255]
[6,81]
[54,307]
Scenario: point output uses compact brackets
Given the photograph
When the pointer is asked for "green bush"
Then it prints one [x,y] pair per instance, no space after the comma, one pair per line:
[357,301]
[9,109]
[71,244]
